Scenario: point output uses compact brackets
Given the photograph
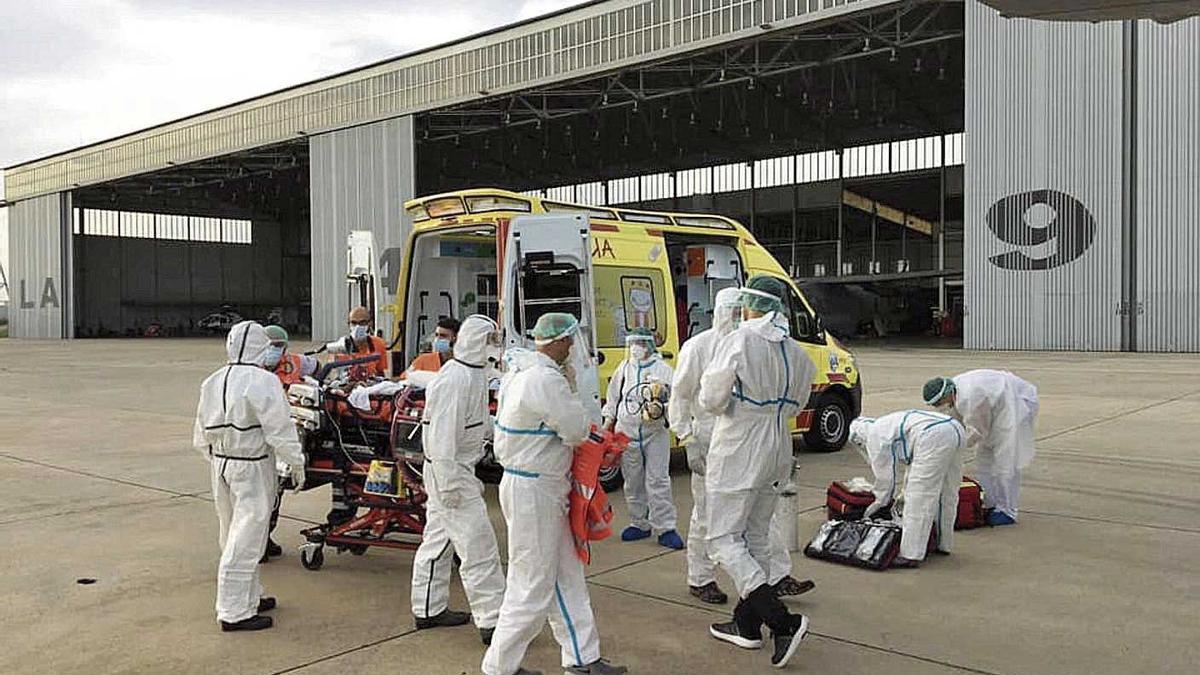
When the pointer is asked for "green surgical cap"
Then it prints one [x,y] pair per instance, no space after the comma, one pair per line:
[277,333]
[768,285]
[553,326]
[937,389]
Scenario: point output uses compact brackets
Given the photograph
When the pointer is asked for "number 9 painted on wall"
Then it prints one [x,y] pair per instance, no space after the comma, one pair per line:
[1072,227]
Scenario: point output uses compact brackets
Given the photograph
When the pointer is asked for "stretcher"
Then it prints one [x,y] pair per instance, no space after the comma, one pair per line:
[340,445]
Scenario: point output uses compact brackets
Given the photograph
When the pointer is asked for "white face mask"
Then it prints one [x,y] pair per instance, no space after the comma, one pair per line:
[358,332]
[272,357]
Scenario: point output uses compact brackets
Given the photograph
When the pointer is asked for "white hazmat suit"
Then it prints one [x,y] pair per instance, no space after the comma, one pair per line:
[646,463]
[999,410]
[757,381]
[538,422]
[242,425]
[455,425]
[931,446]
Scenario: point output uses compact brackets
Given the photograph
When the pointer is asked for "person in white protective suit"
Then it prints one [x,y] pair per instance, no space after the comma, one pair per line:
[931,446]
[693,426]
[242,425]
[636,406]
[758,380]
[539,420]
[998,410]
[455,426]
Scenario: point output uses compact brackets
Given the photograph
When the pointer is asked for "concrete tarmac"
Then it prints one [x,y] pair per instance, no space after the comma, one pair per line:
[98,482]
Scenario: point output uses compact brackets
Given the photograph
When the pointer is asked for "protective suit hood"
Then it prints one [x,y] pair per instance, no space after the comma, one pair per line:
[471,347]
[772,327]
[247,344]
[725,320]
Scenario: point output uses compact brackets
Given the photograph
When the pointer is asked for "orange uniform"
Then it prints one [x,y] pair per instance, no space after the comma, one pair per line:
[378,368]
[429,361]
[289,370]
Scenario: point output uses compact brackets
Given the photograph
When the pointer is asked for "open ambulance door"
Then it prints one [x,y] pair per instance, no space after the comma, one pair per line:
[546,266]
[362,276]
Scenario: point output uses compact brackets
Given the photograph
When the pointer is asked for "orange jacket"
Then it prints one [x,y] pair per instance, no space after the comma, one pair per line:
[429,361]
[288,370]
[379,368]
[590,514]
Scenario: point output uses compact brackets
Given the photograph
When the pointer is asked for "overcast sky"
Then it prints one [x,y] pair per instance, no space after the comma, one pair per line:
[78,71]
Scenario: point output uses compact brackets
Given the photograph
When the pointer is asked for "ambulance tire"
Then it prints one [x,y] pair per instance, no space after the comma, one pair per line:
[831,424]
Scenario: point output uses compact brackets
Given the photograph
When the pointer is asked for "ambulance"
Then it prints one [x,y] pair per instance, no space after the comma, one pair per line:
[514,257]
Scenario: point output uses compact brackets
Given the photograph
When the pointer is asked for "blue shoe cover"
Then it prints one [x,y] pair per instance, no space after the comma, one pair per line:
[670,539]
[997,518]
[632,533]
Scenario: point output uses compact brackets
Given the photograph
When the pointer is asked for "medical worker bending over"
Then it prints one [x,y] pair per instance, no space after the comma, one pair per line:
[999,410]
[636,406]
[931,445]
[455,426]
[538,422]
[242,424]
[757,382]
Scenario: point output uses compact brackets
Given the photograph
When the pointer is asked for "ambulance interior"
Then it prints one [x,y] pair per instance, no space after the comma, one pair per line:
[700,267]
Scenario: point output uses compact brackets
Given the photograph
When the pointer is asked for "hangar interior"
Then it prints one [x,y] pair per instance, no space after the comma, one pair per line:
[838,143]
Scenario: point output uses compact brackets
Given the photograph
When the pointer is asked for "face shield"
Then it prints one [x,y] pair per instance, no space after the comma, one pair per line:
[479,341]
[727,310]
[760,302]
[640,348]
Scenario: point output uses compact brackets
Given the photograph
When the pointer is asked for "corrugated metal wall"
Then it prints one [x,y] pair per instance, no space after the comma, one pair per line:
[39,295]
[1168,187]
[359,180]
[1043,213]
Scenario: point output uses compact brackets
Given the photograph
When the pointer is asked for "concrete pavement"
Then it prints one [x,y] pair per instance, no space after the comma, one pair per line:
[97,482]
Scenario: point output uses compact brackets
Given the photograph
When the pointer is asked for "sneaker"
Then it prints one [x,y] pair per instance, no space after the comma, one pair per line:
[790,586]
[597,667]
[266,604]
[446,618]
[670,539]
[905,563]
[728,632]
[526,671]
[486,634]
[786,645]
[710,593]
[997,518]
[633,533]
[255,622]
[273,550]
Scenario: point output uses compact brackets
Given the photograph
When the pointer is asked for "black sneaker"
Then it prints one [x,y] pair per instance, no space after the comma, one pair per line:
[486,634]
[266,604]
[710,593]
[786,645]
[597,667]
[255,622]
[728,632]
[273,550]
[526,671]
[790,586]
[905,563]
[446,618]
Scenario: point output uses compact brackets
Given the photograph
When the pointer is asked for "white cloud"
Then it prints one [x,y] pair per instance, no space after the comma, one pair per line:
[134,63]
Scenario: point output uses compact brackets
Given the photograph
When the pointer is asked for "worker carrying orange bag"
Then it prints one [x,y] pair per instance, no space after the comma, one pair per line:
[590,513]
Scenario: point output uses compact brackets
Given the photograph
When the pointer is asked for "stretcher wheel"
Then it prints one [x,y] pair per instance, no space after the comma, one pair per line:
[312,558]
[357,549]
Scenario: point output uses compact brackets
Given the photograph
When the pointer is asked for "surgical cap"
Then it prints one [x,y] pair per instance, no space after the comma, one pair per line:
[277,333]
[937,389]
[553,326]
[768,285]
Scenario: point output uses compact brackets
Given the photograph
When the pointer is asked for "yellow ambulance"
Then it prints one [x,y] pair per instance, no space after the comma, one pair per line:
[653,270]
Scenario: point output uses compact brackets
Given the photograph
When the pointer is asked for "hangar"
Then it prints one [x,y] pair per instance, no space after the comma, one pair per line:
[900,158]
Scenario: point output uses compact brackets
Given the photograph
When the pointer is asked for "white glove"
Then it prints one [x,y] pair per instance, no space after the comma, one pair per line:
[297,473]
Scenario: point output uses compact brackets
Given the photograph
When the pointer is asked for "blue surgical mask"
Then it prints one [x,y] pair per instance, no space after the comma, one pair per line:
[358,332]
[441,345]
[273,355]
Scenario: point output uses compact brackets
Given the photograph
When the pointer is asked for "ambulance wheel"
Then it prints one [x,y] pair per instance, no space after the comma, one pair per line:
[611,479]
[831,424]
[312,558]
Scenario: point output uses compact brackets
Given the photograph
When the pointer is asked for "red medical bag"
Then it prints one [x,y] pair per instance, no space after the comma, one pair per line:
[841,503]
